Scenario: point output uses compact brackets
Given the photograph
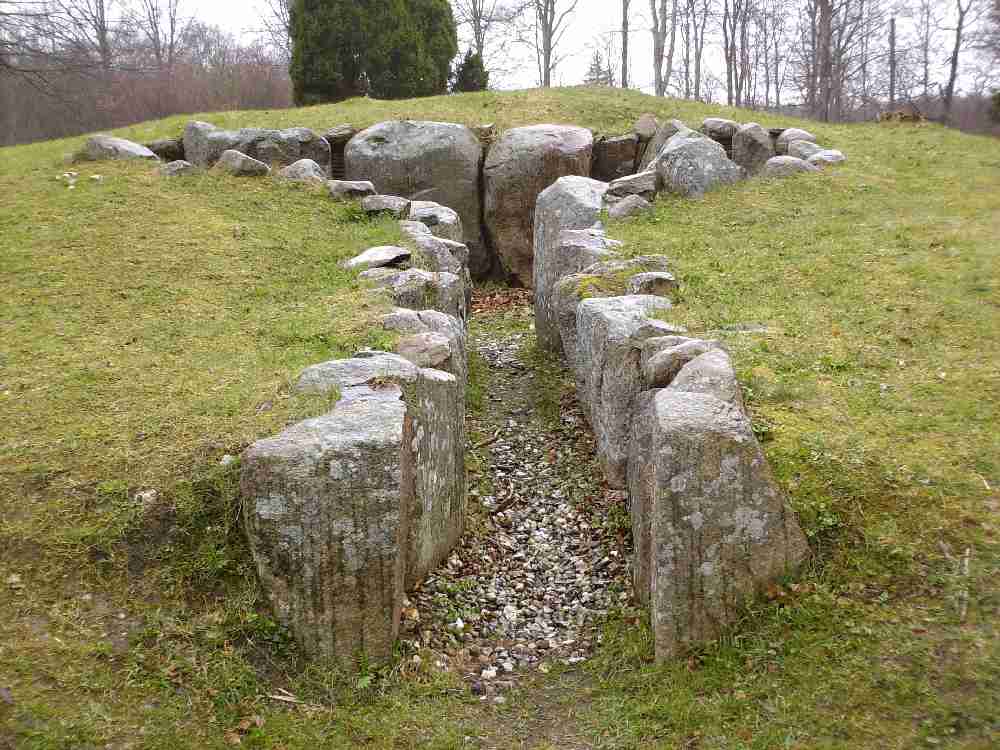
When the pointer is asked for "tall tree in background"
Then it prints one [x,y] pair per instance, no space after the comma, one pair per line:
[160,22]
[471,74]
[277,22]
[625,10]
[962,19]
[663,14]
[391,49]
[551,20]
[599,73]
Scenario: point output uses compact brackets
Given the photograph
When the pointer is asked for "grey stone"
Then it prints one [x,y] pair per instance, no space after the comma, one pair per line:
[826,156]
[429,161]
[643,184]
[325,508]
[610,332]
[692,164]
[304,170]
[177,168]
[428,349]
[719,129]
[108,148]
[168,149]
[413,229]
[659,283]
[711,526]
[786,166]
[646,126]
[559,254]
[386,204]
[423,290]
[408,322]
[205,143]
[630,206]
[658,142]
[803,149]
[663,358]
[788,136]
[340,134]
[357,377]
[614,157]
[519,166]
[752,147]
[241,165]
[378,257]
[443,221]
[346,190]
[711,373]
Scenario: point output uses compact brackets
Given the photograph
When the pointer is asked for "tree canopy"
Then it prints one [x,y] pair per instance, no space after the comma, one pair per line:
[471,74]
[390,49]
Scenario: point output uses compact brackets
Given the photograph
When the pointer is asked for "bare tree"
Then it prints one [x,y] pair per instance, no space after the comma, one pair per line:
[965,14]
[551,20]
[160,23]
[664,30]
[276,18]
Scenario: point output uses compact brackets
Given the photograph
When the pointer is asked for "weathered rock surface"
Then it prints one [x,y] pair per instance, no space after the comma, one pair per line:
[614,157]
[177,168]
[658,142]
[204,144]
[519,166]
[241,165]
[610,332]
[426,161]
[786,166]
[660,283]
[442,220]
[304,170]
[379,257]
[340,134]
[423,290]
[719,129]
[410,322]
[108,148]
[663,358]
[803,149]
[569,203]
[712,528]
[826,156]
[752,147]
[168,149]
[643,184]
[692,164]
[346,190]
[325,509]
[386,204]
[790,135]
[631,205]
[646,126]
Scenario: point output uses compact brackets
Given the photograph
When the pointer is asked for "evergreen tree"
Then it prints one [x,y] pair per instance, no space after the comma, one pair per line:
[598,74]
[471,74]
[391,49]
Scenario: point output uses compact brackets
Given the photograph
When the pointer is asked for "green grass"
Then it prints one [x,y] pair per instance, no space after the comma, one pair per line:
[148,327]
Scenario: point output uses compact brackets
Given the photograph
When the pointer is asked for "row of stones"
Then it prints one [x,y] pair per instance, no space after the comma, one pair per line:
[492,181]
[347,511]
[710,525]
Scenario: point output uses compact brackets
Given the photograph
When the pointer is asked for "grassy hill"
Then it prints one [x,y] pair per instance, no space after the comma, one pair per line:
[149,327]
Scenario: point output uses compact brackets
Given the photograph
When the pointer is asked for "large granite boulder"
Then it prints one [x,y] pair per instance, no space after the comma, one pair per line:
[658,142]
[419,322]
[109,148]
[570,253]
[643,184]
[569,203]
[608,370]
[205,143]
[426,161]
[790,135]
[752,147]
[614,157]
[519,166]
[325,507]
[803,149]
[711,526]
[691,164]
[786,166]
[304,170]
[719,128]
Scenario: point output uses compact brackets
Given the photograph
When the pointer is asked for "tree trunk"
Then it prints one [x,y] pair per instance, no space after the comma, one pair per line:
[625,9]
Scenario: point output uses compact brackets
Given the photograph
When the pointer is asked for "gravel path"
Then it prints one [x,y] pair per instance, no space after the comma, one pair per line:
[543,561]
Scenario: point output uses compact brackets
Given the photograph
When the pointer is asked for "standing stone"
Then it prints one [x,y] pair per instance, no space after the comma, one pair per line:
[610,332]
[692,164]
[646,126]
[426,161]
[106,147]
[422,290]
[519,166]
[205,143]
[657,143]
[752,147]
[614,157]
[386,204]
[325,508]
[709,518]
[786,166]
[569,203]
[570,253]
[790,135]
